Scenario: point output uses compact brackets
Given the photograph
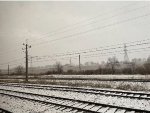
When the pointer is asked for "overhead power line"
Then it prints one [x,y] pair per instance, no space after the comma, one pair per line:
[101,54]
[99,49]
[126,11]
[98,55]
[116,52]
[6,63]
[104,47]
[97,28]
[61,30]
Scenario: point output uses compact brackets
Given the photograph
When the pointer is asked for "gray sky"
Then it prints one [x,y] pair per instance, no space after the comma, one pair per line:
[76,25]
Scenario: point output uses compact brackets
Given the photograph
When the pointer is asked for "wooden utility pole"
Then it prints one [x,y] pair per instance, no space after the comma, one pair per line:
[26,62]
[79,63]
[8,69]
[26,56]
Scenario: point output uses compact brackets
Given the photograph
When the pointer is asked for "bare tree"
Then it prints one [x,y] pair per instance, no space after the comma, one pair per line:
[19,70]
[113,63]
[59,67]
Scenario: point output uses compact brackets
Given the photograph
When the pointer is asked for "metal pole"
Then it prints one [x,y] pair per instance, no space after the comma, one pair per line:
[8,69]
[26,62]
[79,64]
[26,57]
[31,65]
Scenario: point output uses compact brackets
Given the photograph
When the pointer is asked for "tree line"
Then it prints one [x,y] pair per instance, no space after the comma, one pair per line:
[112,66]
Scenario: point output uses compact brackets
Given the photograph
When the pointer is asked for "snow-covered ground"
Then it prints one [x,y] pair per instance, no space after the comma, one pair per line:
[83,76]
[98,76]
[17,105]
[136,86]
[117,101]
[126,85]
[60,86]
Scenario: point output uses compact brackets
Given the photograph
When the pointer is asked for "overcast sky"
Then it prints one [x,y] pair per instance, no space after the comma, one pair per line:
[75,26]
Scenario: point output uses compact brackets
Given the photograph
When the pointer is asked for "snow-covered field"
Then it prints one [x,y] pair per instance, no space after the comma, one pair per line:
[125,85]
[83,76]
[98,76]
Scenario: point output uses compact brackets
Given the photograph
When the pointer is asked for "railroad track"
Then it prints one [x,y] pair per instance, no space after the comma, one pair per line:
[70,105]
[79,79]
[125,94]
[93,79]
[4,111]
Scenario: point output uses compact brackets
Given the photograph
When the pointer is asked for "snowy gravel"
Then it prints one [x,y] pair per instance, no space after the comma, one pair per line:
[117,101]
[143,86]
[17,105]
[98,76]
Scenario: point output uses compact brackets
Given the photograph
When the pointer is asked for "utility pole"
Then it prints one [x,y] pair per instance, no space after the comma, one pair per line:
[70,63]
[79,63]
[26,56]
[8,69]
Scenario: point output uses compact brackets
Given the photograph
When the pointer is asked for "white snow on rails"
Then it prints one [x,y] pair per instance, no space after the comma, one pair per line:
[53,99]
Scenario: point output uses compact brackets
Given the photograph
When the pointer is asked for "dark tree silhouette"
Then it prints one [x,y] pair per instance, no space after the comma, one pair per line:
[59,68]
[113,63]
[19,70]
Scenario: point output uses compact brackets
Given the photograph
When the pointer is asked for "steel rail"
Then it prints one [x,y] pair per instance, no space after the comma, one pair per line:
[90,79]
[67,99]
[92,91]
